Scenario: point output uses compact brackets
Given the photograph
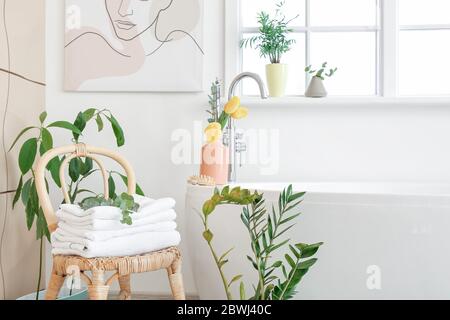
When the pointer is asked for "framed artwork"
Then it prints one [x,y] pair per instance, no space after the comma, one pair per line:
[134,45]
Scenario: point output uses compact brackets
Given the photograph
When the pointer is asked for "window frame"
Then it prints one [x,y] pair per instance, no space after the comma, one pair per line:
[387,50]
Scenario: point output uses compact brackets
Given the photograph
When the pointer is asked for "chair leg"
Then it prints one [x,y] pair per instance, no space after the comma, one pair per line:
[176,280]
[98,290]
[125,288]
[54,285]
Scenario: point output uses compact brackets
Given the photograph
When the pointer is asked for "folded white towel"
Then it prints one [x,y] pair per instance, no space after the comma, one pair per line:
[103,224]
[135,244]
[65,229]
[147,207]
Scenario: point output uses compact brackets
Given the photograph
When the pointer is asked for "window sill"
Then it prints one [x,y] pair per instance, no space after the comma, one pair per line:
[344,101]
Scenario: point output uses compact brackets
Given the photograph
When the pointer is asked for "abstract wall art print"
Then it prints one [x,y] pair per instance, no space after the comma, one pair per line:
[134,45]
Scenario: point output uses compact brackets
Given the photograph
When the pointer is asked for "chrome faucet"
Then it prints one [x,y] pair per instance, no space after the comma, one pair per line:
[233,139]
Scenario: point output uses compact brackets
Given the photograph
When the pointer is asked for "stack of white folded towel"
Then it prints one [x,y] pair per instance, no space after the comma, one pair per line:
[98,232]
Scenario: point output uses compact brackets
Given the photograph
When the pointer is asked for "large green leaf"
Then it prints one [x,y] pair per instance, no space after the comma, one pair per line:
[118,131]
[42,117]
[86,166]
[99,122]
[47,139]
[75,169]
[27,155]
[112,188]
[65,125]
[18,192]
[26,191]
[307,264]
[308,250]
[53,166]
[30,213]
[20,135]
[41,226]
[89,114]
[80,123]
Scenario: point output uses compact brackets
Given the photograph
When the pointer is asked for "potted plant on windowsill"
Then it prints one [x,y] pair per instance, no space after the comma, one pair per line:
[272,42]
[316,88]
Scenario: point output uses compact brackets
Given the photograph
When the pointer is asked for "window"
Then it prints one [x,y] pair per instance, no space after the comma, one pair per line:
[424,47]
[381,47]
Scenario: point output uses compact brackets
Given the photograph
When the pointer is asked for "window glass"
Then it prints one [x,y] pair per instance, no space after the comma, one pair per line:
[354,54]
[343,12]
[424,63]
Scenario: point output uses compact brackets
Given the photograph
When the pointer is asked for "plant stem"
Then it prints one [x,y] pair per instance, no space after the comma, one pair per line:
[222,275]
[40,268]
[259,294]
[216,260]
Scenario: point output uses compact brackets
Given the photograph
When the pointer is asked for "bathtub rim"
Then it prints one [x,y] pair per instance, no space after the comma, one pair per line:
[404,194]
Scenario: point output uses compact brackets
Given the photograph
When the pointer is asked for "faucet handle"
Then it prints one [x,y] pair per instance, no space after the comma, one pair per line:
[241,147]
[238,136]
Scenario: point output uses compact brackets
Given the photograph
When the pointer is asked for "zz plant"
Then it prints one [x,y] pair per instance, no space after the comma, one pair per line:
[277,280]
[79,170]
[272,40]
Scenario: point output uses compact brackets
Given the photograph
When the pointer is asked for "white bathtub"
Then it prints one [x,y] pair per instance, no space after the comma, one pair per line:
[382,241]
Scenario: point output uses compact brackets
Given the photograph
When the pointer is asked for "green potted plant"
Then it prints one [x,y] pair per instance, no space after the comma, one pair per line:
[272,42]
[40,142]
[266,227]
[316,88]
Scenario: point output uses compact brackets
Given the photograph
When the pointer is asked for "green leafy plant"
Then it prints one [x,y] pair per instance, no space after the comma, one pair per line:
[79,169]
[321,72]
[265,230]
[237,197]
[125,202]
[214,102]
[272,40]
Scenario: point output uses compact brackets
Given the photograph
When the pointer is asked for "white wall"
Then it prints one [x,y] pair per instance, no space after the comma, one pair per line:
[393,142]
[148,120]
[21,102]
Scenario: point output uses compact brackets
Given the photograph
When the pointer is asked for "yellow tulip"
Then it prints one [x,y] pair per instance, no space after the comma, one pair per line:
[213,132]
[233,105]
[240,113]
[214,125]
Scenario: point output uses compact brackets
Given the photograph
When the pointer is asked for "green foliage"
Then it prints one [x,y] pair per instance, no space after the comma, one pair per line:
[79,169]
[214,103]
[125,202]
[277,280]
[272,40]
[235,196]
[214,100]
[321,72]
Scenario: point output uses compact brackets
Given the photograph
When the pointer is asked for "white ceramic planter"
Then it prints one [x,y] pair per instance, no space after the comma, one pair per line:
[316,89]
[277,74]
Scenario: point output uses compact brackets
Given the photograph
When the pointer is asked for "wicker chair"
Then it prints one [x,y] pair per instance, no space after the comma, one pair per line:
[122,267]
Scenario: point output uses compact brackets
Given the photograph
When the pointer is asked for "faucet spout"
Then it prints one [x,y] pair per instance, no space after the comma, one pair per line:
[243,75]
[231,138]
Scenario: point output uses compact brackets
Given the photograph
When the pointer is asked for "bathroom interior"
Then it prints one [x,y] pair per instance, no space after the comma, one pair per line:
[224,149]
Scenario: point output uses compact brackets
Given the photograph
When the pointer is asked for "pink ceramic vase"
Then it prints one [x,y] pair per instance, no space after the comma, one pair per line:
[215,160]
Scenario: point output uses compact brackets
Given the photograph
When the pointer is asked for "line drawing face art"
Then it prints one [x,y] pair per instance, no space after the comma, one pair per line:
[135,45]
[131,18]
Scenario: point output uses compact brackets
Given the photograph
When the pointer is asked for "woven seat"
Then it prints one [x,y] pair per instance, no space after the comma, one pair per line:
[122,267]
